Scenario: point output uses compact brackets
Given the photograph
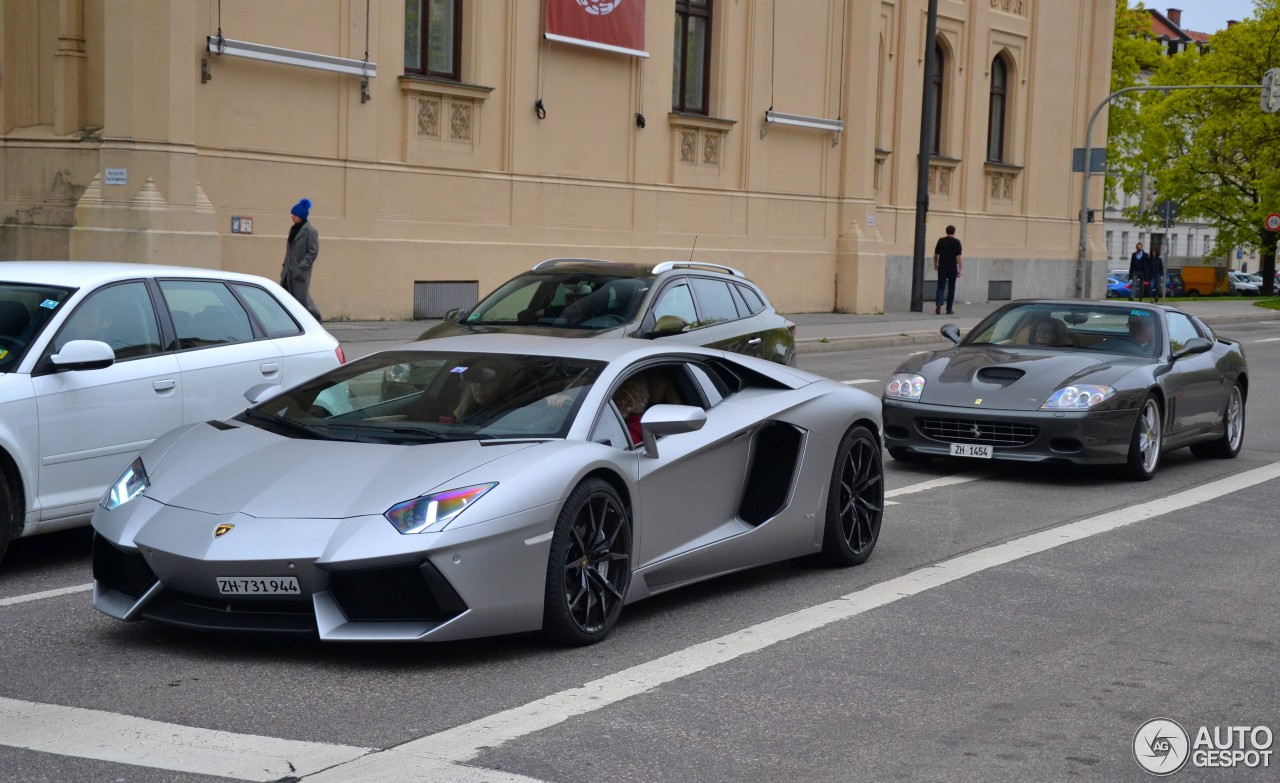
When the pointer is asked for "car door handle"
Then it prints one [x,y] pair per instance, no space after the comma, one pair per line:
[270,369]
[753,341]
[164,385]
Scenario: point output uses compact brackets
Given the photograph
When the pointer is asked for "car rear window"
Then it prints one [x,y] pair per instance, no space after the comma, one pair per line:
[273,316]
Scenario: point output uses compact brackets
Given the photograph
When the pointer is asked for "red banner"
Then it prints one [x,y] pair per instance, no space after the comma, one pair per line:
[612,25]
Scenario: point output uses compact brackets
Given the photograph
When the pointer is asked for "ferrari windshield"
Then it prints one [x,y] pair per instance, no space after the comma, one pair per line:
[573,300]
[1090,326]
[421,397]
[24,311]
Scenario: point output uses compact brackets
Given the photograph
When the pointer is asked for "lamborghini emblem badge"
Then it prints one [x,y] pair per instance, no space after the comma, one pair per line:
[222,530]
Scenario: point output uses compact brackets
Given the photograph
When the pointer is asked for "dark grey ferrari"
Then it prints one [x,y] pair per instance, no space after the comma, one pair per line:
[1073,381]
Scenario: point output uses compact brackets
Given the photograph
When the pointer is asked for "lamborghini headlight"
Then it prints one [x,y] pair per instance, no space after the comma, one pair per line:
[1079,397]
[434,511]
[904,386]
[131,483]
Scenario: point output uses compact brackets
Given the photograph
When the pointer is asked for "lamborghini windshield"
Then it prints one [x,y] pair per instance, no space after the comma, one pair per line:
[1087,326]
[421,397]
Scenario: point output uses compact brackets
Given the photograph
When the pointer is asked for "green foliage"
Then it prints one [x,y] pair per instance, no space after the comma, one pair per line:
[1135,57]
[1214,151]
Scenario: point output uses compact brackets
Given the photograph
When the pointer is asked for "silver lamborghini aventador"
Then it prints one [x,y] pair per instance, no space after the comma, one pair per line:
[489,484]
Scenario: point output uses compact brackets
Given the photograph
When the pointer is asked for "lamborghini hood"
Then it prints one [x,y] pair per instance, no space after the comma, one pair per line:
[996,378]
[248,470]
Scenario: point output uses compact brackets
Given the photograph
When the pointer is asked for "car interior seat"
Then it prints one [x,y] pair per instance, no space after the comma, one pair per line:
[13,319]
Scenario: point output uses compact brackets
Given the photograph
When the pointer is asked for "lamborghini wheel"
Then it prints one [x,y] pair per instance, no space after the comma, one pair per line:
[589,570]
[1145,441]
[1227,446]
[855,501]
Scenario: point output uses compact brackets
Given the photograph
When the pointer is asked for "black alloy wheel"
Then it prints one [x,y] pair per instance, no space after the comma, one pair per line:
[589,570]
[855,501]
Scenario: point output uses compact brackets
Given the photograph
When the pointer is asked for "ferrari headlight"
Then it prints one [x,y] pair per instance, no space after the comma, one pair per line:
[435,510]
[1079,397]
[131,483]
[904,386]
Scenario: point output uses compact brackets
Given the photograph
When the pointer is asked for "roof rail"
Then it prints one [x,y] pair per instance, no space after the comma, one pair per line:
[666,265]
[554,262]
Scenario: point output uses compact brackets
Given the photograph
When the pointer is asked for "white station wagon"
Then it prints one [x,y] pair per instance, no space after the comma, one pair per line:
[99,359]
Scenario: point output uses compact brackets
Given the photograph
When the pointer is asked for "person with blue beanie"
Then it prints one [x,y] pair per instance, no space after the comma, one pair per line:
[301,249]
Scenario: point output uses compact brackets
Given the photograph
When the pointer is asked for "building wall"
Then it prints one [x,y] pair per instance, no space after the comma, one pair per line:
[435,181]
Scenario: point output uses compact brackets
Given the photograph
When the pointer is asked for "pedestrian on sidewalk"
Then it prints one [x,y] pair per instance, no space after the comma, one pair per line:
[1138,264]
[948,262]
[1155,273]
[301,249]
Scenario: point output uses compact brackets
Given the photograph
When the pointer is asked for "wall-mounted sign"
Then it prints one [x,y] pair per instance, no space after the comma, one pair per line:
[871,220]
[116,177]
[241,225]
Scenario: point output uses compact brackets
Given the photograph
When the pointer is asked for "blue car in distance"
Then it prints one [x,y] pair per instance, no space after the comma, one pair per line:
[1117,289]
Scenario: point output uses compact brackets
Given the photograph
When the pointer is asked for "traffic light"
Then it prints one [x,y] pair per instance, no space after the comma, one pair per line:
[1271,91]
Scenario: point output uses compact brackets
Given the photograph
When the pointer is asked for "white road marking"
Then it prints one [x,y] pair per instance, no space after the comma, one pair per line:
[124,739]
[859,381]
[1268,340]
[22,599]
[72,731]
[941,481]
[463,743]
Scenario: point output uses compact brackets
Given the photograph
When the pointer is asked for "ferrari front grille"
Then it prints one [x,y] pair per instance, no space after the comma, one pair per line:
[124,572]
[408,592]
[988,433]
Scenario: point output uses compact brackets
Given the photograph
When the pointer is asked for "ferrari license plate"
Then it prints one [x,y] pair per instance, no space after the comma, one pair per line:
[970,450]
[258,585]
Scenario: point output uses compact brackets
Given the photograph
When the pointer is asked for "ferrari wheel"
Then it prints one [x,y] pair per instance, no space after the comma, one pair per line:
[589,570]
[855,502]
[1145,442]
[1227,446]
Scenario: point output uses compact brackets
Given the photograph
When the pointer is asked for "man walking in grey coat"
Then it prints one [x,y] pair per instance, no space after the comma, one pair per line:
[300,254]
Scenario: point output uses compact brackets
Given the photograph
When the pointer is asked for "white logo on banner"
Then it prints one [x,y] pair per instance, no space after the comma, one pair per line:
[599,7]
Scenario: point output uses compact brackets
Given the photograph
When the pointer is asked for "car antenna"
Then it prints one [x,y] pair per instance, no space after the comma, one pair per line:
[695,247]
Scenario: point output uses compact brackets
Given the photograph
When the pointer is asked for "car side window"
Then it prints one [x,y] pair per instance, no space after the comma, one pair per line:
[205,313]
[675,301]
[713,387]
[270,313]
[609,430]
[715,302]
[1180,330]
[120,316]
[752,297]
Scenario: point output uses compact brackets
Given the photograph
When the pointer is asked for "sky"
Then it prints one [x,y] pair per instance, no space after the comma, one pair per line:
[1205,16]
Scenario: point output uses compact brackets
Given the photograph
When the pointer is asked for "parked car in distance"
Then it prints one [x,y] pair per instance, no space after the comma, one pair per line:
[520,483]
[99,359]
[1242,284]
[1117,289]
[688,302]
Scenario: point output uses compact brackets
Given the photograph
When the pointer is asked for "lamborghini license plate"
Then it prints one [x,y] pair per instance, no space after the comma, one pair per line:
[258,585]
[970,450]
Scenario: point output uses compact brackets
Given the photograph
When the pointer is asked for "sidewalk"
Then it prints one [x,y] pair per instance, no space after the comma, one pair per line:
[816,332]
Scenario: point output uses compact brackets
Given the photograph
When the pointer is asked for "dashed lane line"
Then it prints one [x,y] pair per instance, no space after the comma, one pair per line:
[22,599]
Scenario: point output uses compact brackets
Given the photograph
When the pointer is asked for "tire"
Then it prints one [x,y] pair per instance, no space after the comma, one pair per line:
[1228,445]
[903,455]
[855,501]
[1194,293]
[589,570]
[9,515]
[1146,441]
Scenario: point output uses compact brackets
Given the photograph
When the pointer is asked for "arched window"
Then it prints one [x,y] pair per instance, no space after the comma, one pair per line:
[940,64]
[996,113]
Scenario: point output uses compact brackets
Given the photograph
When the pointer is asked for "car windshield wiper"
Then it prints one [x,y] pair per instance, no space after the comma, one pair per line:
[281,421]
[379,429]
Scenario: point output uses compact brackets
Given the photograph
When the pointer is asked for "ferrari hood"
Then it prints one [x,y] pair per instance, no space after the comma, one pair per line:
[996,378]
[261,474]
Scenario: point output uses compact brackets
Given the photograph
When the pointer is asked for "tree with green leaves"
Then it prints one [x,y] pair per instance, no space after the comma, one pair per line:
[1215,152]
[1135,57]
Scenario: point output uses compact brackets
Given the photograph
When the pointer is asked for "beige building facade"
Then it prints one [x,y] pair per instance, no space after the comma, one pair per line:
[123,138]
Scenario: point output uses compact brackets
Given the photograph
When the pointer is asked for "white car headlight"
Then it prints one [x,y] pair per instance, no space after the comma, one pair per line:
[904,386]
[434,511]
[131,483]
[1079,397]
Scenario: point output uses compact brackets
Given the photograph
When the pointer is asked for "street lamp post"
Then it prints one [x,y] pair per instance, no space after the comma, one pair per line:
[922,175]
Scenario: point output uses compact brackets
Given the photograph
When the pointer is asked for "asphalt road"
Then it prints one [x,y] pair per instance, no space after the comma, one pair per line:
[1015,623]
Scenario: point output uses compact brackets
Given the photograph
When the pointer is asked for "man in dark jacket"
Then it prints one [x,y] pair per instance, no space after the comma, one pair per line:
[948,262]
[1138,266]
[1155,273]
[300,253]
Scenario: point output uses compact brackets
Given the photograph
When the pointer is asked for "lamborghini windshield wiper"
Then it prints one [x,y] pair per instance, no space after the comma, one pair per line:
[290,424]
